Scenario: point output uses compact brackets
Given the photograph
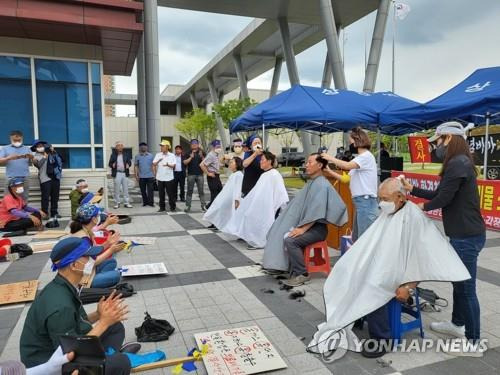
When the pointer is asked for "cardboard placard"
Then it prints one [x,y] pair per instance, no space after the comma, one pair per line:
[42,247]
[48,234]
[140,240]
[144,269]
[239,351]
[24,291]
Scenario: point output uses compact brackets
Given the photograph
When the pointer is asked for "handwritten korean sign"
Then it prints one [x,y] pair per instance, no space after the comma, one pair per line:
[419,150]
[488,190]
[239,351]
[24,291]
[144,269]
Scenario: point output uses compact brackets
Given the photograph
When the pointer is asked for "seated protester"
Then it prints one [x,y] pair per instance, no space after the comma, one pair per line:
[57,310]
[259,208]
[15,214]
[402,247]
[224,207]
[305,220]
[105,274]
[81,188]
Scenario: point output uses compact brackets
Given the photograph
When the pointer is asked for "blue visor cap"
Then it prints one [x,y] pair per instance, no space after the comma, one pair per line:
[70,249]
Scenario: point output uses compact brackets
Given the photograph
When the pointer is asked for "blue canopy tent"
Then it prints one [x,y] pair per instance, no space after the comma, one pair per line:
[322,110]
[476,99]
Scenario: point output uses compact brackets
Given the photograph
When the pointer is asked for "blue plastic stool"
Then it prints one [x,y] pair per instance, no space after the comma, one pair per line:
[398,328]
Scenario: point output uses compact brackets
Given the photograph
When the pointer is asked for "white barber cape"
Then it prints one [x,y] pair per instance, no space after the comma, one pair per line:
[222,210]
[396,249]
[255,215]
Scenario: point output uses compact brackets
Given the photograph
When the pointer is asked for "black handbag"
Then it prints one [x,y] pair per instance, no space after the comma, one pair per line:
[22,249]
[153,330]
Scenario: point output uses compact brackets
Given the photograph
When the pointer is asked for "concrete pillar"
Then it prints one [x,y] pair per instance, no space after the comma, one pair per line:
[293,73]
[141,94]
[238,66]
[276,76]
[152,73]
[194,103]
[326,82]
[376,46]
[178,109]
[215,100]
[332,43]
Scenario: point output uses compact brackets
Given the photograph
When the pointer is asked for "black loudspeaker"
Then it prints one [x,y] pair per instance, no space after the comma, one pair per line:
[390,164]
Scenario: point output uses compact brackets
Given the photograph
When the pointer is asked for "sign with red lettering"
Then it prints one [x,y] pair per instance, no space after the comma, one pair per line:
[488,190]
[238,351]
[419,150]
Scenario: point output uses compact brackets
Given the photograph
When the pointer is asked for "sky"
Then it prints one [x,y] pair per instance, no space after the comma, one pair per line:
[438,44]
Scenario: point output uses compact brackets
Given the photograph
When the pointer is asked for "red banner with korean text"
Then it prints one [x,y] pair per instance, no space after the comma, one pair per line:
[489,196]
[419,150]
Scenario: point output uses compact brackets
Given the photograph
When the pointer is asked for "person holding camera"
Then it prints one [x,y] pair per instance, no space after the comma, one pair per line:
[16,159]
[251,164]
[57,311]
[49,165]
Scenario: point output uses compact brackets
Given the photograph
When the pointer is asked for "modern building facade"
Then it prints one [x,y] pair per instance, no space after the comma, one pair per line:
[109,88]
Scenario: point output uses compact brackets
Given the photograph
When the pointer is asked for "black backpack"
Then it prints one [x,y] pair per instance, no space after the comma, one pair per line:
[153,330]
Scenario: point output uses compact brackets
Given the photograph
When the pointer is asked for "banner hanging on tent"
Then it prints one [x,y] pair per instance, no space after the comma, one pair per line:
[489,196]
[419,150]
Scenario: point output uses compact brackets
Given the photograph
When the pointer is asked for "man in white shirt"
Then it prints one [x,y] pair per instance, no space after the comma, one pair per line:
[163,168]
[179,173]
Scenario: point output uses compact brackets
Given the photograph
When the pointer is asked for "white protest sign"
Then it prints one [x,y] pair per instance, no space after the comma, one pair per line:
[140,240]
[239,351]
[144,269]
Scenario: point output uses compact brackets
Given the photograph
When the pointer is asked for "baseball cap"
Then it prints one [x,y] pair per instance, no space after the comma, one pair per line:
[165,143]
[215,143]
[450,127]
[86,212]
[194,141]
[16,181]
[37,142]
[70,249]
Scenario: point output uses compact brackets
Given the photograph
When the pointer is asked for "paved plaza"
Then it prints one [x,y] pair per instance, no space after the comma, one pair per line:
[214,283]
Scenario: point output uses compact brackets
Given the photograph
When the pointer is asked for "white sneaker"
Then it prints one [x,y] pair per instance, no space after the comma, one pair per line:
[448,328]
[463,348]
[128,205]
[116,206]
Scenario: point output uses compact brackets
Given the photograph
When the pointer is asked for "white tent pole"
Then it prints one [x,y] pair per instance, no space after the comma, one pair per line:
[378,156]
[486,136]
[263,136]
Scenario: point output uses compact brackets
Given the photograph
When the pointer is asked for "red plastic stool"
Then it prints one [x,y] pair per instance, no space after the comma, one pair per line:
[320,259]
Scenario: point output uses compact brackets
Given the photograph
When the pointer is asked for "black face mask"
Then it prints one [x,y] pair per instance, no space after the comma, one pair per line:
[353,149]
[441,152]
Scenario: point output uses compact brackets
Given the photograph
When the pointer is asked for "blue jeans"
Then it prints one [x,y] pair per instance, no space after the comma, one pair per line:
[466,309]
[366,214]
[106,274]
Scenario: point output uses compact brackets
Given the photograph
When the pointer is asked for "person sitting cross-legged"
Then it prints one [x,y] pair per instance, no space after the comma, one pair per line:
[58,311]
[303,222]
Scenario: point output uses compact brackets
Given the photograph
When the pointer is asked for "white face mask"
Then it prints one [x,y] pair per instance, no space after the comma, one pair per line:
[17,144]
[40,150]
[20,190]
[85,190]
[218,150]
[387,207]
[257,147]
[89,267]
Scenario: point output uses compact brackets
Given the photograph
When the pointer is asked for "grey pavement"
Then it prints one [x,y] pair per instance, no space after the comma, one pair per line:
[214,283]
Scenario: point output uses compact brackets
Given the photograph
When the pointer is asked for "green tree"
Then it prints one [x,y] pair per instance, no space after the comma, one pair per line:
[229,110]
[198,124]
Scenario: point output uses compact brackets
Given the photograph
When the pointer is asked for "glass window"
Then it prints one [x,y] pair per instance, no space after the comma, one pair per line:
[15,67]
[96,97]
[16,105]
[96,73]
[75,157]
[63,112]
[61,71]
[99,157]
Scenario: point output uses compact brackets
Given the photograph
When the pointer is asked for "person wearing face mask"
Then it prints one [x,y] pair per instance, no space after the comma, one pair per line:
[49,165]
[57,311]
[75,196]
[104,273]
[400,249]
[457,196]
[15,214]
[251,163]
[16,158]
[143,168]
[363,180]
[211,167]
